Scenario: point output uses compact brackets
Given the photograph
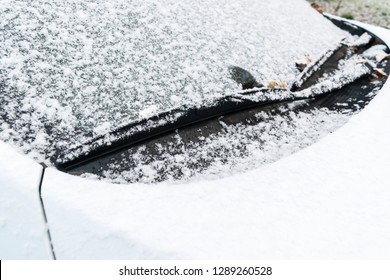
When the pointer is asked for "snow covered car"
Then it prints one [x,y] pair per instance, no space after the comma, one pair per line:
[181,130]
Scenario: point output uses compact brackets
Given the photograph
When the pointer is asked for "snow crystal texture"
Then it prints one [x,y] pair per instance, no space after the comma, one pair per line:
[72,69]
[237,148]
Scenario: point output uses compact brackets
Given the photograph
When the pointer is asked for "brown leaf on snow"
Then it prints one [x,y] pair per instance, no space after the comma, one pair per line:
[309,59]
[354,49]
[379,75]
[276,85]
[385,57]
[317,8]
[283,85]
[272,85]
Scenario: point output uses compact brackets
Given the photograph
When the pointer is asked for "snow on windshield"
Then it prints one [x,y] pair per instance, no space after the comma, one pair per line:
[236,149]
[70,70]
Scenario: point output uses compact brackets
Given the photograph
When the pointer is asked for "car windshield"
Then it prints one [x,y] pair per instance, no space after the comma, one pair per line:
[71,70]
[156,90]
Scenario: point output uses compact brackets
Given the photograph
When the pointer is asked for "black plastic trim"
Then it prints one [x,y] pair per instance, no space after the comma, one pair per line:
[44,211]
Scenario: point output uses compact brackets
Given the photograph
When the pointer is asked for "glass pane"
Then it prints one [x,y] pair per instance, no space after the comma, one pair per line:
[71,70]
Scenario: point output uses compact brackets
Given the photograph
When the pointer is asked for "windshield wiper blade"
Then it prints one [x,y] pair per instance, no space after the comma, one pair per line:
[145,129]
[308,85]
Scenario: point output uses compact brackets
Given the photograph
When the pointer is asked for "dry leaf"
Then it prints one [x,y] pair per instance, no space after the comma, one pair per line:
[380,73]
[317,8]
[385,57]
[380,76]
[283,85]
[272,85]
[276,85]
[354,49]
[308,58]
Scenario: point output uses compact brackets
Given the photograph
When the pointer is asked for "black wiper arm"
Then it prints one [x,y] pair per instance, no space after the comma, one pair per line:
[252,96]
[147,129]
[137,132]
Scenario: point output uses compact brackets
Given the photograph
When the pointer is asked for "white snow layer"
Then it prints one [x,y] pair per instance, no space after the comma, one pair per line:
[72,69]
[236,149]
[242,146]
[22,226]
[327,201]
